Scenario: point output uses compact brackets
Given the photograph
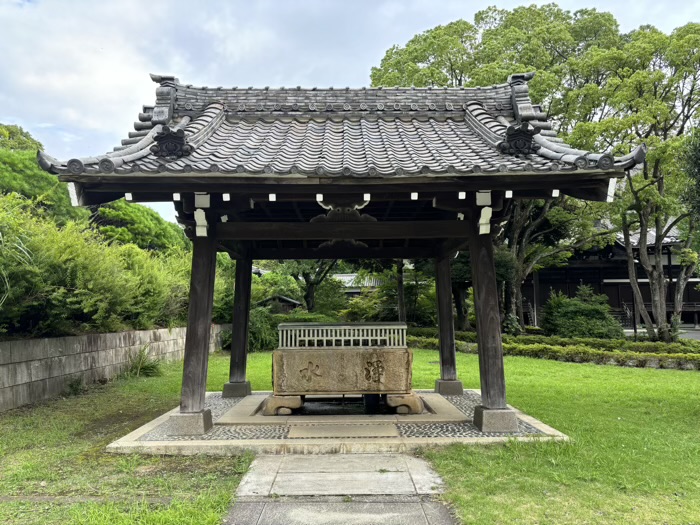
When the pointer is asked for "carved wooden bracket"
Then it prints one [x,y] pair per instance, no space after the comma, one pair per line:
[343,209]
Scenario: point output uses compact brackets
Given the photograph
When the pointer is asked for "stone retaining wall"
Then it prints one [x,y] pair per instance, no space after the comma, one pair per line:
[32,370]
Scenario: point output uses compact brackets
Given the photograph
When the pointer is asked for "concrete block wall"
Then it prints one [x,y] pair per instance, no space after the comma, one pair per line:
[32,370]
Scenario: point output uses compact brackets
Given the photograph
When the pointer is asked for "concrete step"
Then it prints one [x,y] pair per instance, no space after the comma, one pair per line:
[357,489]
[339,513]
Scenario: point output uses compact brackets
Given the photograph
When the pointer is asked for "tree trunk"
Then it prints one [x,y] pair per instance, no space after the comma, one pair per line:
[519,304]
[657,285]
[459,295]
[310,296]
[400,291]
[636,292]
[510,301]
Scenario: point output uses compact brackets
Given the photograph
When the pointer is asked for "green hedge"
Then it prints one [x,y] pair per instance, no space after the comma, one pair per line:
[64,280]
[585,354]
[576,353]
[467,337]
[609,345]
[684,346]
[302,316]
[432,343]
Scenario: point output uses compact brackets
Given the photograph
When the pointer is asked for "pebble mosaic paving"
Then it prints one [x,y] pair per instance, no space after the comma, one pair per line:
[219,406]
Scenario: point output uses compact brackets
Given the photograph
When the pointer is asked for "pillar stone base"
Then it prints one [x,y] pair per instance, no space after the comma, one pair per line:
[190,423]
[241,389]
[447,387]
[495,419]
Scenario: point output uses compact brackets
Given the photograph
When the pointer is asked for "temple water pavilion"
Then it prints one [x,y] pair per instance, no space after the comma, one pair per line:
[295,173]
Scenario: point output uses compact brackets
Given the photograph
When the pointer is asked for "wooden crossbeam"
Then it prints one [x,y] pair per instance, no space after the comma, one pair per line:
[272,231]
[345,252]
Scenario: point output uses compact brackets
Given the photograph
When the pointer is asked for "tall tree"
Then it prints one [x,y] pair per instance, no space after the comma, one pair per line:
[650,92]
[442,56]
[545,39]
[309,274]
[540,234]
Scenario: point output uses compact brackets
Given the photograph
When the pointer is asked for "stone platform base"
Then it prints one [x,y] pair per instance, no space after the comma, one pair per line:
[449,388]
[239,426]
[237,389]
[193,424]
[495,420]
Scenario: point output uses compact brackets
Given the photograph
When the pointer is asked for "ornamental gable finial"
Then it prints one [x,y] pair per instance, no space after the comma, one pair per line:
[518,140]
[171,143]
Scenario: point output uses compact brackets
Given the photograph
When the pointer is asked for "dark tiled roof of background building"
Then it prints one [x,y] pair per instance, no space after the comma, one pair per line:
[343,132]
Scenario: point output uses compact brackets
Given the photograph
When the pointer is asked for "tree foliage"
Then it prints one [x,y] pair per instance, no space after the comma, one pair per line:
[309,275]
[20,173]
[381,304]
[610,92]
[15,138]
[586,315]
[63,280]
[126,222]
[651,95]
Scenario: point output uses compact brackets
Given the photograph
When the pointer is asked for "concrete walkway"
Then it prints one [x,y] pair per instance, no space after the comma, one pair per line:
[343,489]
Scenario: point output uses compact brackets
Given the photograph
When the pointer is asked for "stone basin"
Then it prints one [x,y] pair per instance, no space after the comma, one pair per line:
[349,370]
[300,372]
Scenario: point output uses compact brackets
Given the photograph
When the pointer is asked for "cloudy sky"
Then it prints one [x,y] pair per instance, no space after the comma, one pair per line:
[75,72]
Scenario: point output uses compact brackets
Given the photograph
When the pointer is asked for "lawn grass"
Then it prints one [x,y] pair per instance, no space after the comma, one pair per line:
[53,468]
[634,455]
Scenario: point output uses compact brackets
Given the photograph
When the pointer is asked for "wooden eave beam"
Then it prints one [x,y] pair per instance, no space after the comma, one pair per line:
[262,185]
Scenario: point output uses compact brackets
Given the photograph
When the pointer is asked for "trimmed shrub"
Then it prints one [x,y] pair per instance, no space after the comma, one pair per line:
[575,354]
[586,315]
[584,354]
[431,343]
[467,337]
[302,316]
[417,331]
[610,345]
[263,330]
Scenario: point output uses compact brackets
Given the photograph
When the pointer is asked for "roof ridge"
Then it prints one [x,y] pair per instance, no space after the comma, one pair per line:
[175,82]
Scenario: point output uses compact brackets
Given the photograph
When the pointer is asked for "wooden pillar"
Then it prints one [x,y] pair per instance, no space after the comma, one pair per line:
[488,322]
[194,376]
[237,385]
[448,383]
[493,415]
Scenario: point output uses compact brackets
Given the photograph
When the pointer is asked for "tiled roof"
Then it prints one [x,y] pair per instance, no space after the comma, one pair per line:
[342,132]
[351,280]
[673,237]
